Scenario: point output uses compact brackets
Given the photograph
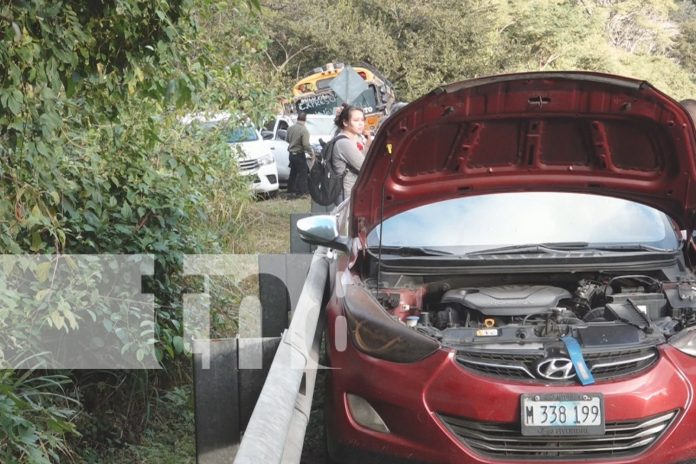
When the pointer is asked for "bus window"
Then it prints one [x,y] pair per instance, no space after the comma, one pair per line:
[324,83]
[367,100]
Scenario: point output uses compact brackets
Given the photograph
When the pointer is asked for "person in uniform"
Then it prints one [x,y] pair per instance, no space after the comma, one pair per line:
[299,150]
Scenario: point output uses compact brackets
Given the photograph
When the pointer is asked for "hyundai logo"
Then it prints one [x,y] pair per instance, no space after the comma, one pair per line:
[556,369]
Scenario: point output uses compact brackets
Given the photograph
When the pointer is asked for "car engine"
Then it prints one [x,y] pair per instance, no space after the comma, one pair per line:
[508,330]
[611,310]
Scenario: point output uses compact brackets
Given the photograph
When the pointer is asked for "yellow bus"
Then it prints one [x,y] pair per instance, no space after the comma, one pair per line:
[313,95]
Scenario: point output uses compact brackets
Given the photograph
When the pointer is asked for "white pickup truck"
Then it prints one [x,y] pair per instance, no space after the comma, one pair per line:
[254,154]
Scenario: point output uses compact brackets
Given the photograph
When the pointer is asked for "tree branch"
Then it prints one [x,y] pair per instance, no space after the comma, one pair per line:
[288,58]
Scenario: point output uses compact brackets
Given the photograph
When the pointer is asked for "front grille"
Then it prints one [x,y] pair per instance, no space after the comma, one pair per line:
[507,365]
[620,439]
[613,364]
[604,365]
[248,165]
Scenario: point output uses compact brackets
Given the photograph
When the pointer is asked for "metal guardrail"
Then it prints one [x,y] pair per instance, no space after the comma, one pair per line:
[276,430]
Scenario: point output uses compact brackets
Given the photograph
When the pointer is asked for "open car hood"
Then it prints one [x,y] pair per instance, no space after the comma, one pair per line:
[560,131]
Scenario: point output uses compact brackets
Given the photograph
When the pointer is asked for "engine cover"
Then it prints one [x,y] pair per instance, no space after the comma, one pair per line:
[508,300]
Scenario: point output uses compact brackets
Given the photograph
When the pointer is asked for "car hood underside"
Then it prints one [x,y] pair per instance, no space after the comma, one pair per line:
[572,131]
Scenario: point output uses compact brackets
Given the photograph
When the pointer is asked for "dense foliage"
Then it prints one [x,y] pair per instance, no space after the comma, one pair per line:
[420,45]
[94,160]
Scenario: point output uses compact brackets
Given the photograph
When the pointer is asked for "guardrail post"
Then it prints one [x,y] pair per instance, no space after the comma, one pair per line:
[277,426]
[251,380]
[274,294]
[281,279]
[216,397]
[225,395]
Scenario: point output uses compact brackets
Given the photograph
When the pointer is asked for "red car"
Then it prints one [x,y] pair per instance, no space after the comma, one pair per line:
[514,278]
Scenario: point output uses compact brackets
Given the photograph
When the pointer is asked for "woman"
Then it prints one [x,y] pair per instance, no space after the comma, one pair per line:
[347,158]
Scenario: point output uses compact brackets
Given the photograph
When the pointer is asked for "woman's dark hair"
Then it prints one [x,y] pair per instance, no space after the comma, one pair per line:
[343,116]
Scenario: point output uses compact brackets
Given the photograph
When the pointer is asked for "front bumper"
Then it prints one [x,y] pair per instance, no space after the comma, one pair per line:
[416,401]
[265,178]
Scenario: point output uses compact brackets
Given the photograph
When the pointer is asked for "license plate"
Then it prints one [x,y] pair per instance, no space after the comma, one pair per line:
[553,414]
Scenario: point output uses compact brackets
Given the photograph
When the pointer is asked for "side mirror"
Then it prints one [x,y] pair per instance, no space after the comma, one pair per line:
[282,134]
[322,230]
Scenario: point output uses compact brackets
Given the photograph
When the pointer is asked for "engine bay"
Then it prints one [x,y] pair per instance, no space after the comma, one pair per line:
[517,311]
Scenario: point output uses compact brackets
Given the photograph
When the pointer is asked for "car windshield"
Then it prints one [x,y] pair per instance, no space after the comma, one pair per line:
[487,222]
[242,134]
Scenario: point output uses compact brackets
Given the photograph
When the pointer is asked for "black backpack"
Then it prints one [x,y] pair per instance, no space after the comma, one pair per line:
[325,185]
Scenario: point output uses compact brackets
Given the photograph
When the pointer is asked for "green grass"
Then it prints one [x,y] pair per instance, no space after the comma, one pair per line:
[168,438]
[267,225]
[266,230]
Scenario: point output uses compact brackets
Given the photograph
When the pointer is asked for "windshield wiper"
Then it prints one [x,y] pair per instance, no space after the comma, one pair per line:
[411,251]
[545,248]
[632,247]
[531,248]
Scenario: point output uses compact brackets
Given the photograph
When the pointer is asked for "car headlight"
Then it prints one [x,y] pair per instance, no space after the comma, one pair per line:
[375,333]
[685,341]
[266,159]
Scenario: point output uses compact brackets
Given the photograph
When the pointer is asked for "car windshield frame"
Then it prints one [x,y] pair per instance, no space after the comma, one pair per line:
[529,223]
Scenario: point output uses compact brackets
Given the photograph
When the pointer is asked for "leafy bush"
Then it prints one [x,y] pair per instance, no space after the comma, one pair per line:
[35,414]
[94,160]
